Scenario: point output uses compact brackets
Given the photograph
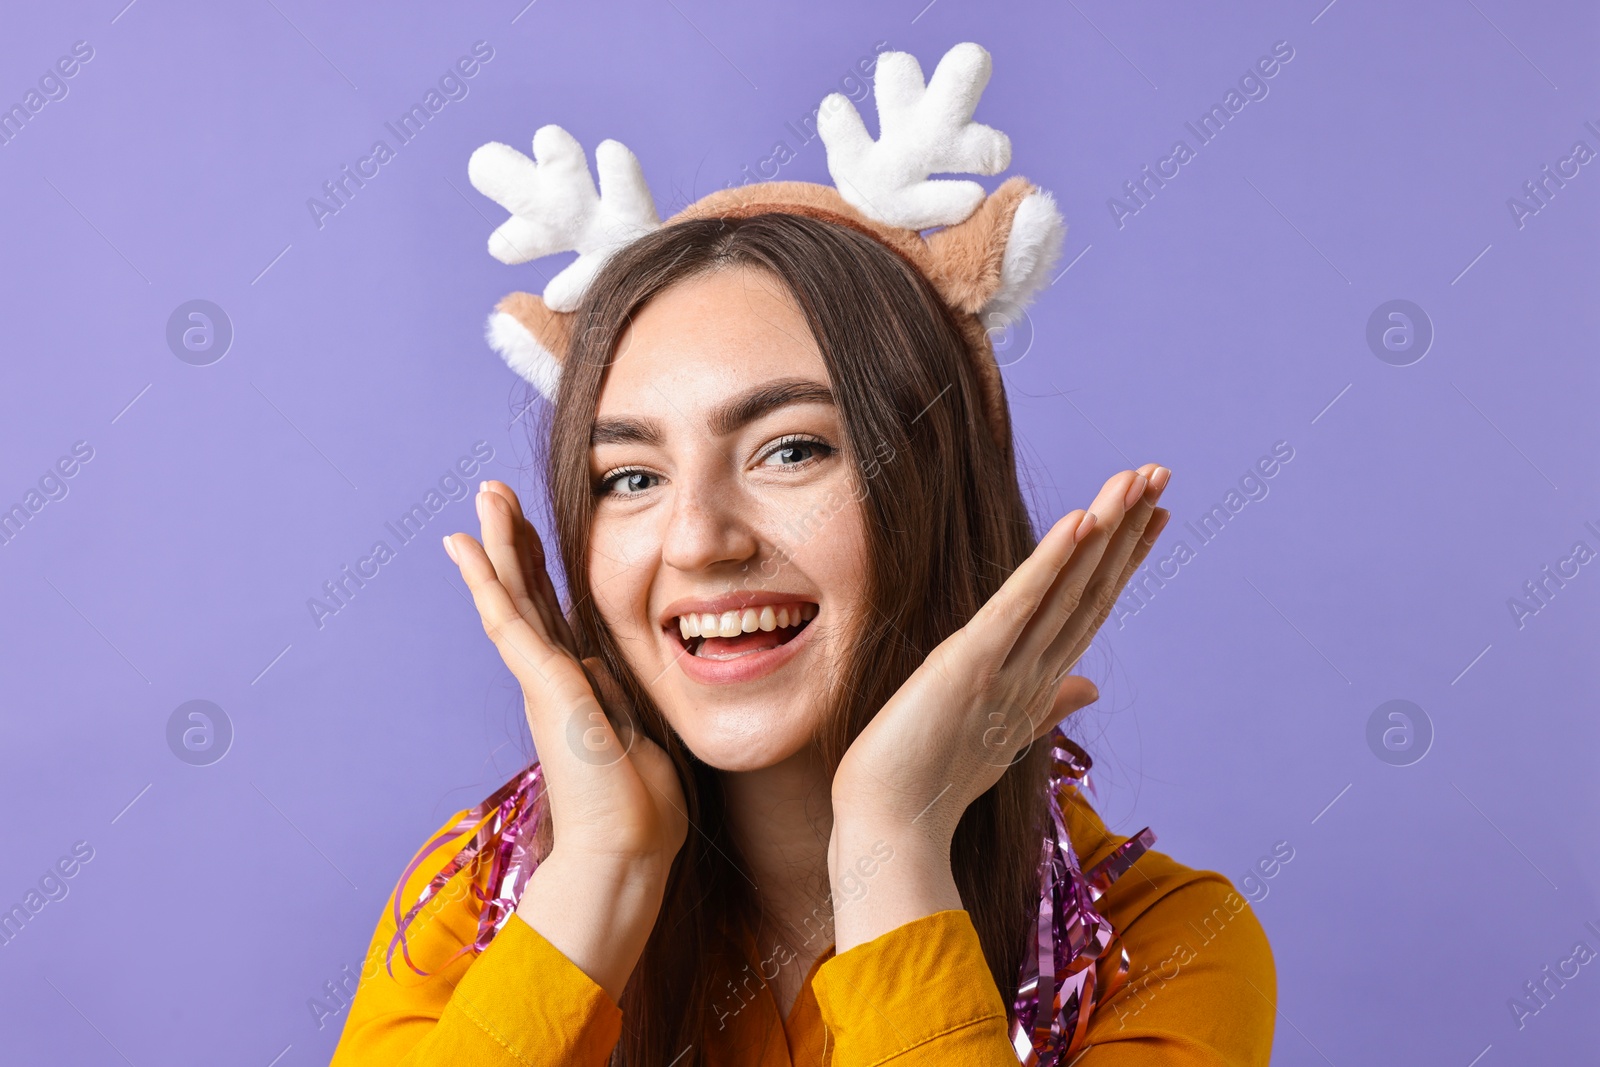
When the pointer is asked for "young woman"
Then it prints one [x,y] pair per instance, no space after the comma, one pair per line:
[791,725]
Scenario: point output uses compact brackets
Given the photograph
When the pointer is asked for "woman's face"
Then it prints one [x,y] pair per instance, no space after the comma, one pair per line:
[727,549]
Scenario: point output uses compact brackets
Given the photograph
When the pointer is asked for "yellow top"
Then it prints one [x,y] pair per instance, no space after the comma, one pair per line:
[1202,991]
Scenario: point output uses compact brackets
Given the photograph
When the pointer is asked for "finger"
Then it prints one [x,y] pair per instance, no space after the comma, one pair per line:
[500,536]
[1152,531]
[544,590]
[1158,522]
[526,652]
[1074,694]
[577,743]
[1107,582]
[605,685]
[535,570]
[1067,588]
[995,626]
[612,698]
[571,731]
[518,520]
[1137,514]
[498,523]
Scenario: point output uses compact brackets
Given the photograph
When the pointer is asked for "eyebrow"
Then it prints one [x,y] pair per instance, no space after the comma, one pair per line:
[727,417]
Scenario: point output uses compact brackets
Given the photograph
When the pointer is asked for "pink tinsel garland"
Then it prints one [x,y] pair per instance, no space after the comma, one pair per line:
[1058,972]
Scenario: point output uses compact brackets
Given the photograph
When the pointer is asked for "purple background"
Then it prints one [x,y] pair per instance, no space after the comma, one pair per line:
[1225,316]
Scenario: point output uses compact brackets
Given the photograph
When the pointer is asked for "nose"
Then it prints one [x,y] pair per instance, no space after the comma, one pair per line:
[708,527]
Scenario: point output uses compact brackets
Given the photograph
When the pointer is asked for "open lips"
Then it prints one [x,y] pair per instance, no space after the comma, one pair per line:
[725,635]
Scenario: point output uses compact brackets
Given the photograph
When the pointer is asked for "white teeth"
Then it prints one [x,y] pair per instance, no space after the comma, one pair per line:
[748,620]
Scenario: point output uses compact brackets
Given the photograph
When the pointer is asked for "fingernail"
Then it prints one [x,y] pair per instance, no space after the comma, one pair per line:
[1135,491]
[449,549]
[1085,527]
[481,503]
[1159,478]
[483,487]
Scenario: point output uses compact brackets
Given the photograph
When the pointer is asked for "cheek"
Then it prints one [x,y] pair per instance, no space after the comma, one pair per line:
[841,556]
[620,543]
[823,538]
[621,549]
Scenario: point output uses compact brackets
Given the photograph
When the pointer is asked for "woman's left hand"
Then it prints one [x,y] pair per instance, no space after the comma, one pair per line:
[981,698]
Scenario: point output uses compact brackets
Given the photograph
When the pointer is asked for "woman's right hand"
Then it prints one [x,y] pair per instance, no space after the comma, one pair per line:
[616,806]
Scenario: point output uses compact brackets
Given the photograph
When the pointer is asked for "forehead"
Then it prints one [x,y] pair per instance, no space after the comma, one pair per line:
[708,338]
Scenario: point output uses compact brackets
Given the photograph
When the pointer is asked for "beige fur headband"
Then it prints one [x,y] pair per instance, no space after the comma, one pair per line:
[987,257]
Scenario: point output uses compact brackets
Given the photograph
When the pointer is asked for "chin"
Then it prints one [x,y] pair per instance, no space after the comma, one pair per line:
[743,739]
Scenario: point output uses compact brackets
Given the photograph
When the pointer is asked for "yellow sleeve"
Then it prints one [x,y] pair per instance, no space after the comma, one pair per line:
[520,1003]
[1202,990]
[920,995]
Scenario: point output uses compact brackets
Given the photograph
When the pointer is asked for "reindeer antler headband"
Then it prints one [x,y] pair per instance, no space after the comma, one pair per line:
[987,256]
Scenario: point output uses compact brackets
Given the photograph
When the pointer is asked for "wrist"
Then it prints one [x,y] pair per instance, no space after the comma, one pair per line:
[597,910]
[904,802]
[884,875]
[924,823]
[606,871]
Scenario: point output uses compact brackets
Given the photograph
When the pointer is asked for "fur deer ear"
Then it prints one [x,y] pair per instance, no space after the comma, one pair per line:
[530,338]
[1001,255]
[1032,247]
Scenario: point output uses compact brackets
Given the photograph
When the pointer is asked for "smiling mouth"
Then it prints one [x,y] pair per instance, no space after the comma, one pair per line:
[732,634]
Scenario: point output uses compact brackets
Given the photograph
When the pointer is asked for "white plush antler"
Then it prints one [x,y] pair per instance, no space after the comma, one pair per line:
[923,130]
[555,207]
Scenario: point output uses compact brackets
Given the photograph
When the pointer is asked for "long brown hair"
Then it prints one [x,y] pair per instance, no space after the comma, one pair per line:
[945,524]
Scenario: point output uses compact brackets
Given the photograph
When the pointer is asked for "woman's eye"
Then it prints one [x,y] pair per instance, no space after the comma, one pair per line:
[628,483]
[794,452]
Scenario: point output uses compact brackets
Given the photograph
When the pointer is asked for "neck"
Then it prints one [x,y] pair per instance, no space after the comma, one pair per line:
[781,817]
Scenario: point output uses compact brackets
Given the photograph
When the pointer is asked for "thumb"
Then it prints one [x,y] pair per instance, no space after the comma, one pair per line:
[1075,693]
[610,694]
